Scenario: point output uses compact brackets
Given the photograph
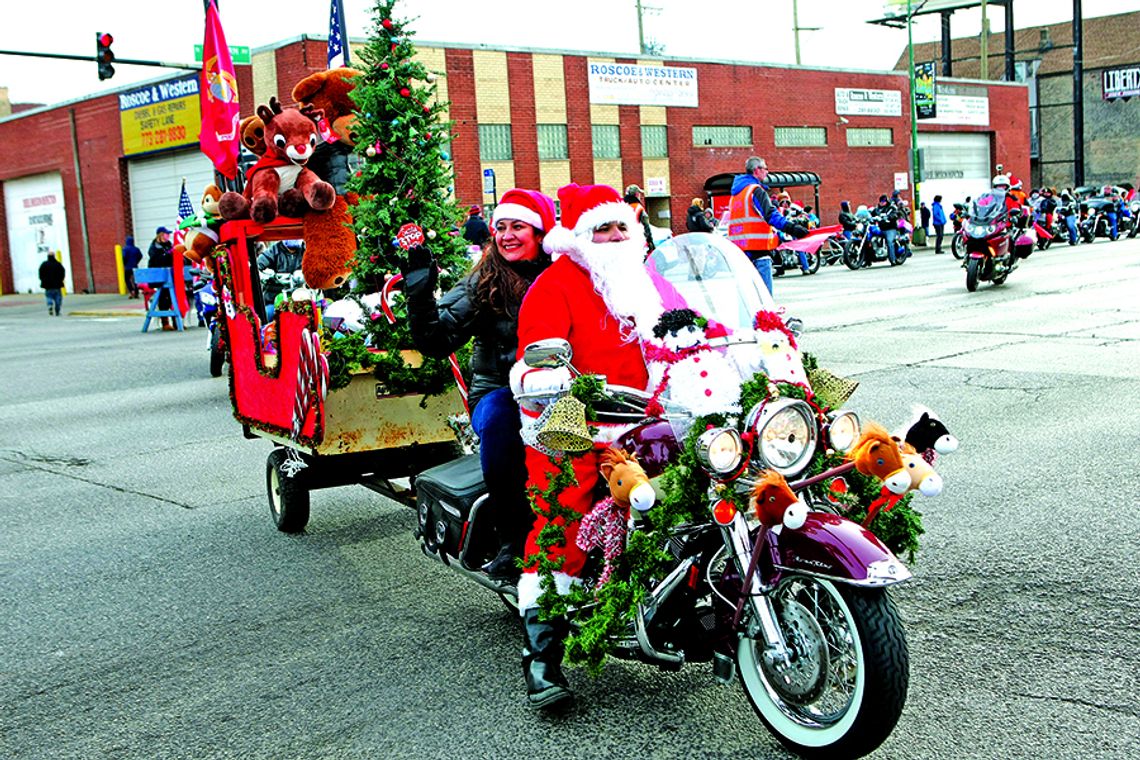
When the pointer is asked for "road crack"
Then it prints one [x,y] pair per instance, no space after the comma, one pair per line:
[39,462]
[1082,702]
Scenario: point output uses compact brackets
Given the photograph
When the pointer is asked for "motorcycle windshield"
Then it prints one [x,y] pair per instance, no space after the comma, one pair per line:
[988,208]
[714,278]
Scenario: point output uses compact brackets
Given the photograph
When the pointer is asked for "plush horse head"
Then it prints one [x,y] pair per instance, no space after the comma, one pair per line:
[877,455]
[777,506]
[928,433]
[923,478]
[629,485]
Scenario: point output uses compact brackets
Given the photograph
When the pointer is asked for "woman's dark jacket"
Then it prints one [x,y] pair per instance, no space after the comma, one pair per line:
[696,221]
[438,329]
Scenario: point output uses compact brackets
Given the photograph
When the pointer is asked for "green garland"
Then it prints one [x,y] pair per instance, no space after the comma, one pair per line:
[605,613]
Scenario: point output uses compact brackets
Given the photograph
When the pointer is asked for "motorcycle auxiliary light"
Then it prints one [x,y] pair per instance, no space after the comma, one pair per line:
[786,434]
[720,451]
[843,430]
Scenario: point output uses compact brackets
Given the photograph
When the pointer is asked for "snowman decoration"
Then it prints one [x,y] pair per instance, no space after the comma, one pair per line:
[684,368]
[775,353]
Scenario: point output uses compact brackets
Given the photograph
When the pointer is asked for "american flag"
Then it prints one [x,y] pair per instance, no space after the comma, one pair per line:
[338,50]
[185,211]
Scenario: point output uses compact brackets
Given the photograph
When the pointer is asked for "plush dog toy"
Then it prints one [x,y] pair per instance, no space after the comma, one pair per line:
[279,182]
[202,230]
[330,241]
[776,505]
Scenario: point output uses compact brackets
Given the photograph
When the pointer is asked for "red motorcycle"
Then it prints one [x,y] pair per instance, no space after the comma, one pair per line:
[994,241]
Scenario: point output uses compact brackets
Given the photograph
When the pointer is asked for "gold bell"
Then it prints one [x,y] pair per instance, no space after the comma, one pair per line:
[565,428]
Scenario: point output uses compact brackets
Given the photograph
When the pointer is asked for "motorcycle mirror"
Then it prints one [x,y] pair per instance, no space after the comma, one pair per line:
[796,325]
[548,354]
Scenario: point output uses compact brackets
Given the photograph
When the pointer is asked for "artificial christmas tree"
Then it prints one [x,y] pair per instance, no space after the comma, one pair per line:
[405,176]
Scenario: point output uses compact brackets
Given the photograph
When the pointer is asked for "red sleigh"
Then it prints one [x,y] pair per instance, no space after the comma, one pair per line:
[355,434]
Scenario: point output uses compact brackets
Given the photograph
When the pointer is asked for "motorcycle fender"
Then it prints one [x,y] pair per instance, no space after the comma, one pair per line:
[833,547]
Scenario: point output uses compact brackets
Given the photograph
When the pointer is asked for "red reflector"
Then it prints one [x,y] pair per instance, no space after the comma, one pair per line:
[694,576]
[724,512]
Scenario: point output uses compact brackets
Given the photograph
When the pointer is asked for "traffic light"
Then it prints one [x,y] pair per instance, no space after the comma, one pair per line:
[104,56]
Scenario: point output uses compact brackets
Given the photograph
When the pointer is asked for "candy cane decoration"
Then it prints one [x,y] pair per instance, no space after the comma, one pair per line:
[455,371]
[312,376]
[386,295]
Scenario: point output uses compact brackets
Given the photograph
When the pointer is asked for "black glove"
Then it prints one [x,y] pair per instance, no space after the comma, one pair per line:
[419,257]
[796,230]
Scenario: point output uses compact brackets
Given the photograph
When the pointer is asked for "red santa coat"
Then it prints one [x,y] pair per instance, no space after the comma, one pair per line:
[562,303]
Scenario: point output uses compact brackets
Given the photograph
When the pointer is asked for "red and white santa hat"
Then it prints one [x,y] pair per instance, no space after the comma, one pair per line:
[585,207]
[528,206]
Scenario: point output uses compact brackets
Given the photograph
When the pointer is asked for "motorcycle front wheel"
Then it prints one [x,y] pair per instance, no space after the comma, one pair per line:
[853,255]
[844,689]
[217,353]
[972,268]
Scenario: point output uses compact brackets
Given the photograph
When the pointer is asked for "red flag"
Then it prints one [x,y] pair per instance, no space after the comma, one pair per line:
[814,241]
[218,93]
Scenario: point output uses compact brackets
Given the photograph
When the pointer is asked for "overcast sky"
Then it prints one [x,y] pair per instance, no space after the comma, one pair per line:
[745,30]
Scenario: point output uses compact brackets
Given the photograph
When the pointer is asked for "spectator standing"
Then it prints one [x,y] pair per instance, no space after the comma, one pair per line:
[132,257]
[52,275]
[475,229]
[925,215]
[635,197]
[938,219]
[696,220]
[160,252]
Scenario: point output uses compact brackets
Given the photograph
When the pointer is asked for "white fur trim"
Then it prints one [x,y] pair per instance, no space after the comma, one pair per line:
[515,377]
[557,240]
[516,211]
[603,213]
[530,588]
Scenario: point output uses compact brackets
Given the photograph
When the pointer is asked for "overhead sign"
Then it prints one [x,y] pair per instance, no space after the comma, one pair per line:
[962,104]
[856,102]
[1122,83]
[629,84]
[160,116]
[238,54]
[924,101]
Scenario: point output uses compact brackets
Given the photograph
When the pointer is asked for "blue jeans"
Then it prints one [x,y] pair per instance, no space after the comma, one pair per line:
[1071,223]
[1112,224]
[495,420]
[763,265]
[891,235]
[54,298]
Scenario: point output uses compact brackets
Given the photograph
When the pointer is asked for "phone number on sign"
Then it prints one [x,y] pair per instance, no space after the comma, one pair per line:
[155,137]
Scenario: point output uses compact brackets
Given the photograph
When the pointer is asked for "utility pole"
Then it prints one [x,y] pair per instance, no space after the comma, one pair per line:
[913,110]
[640,30]
[796,28]
[985,44]
[1078,97]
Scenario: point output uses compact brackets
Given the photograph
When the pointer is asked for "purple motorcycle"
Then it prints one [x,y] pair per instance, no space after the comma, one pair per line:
[799,610]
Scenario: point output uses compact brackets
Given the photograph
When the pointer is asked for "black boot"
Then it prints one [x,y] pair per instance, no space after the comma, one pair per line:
[542,659]
[513,525]
[504,567]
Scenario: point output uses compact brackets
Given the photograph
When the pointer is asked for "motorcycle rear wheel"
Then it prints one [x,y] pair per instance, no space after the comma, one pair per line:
[958,247]
[972,267]
[845,690]
[812,262]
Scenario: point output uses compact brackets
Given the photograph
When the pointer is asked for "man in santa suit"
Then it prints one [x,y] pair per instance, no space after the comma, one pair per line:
[599,296]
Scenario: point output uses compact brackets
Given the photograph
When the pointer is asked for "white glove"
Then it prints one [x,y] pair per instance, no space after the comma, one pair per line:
[524,379]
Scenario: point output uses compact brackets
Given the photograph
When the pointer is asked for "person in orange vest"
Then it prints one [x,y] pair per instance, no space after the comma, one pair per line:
[753,220]
[635,197]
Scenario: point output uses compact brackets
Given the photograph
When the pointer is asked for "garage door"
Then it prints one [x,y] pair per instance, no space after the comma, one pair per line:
[956,165]
[156,182]
[37,226]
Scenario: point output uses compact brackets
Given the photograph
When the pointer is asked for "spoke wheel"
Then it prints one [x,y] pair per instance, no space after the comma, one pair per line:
[844,688]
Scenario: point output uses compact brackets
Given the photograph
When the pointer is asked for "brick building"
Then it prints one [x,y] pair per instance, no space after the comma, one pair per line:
[110,165]
[1044,55]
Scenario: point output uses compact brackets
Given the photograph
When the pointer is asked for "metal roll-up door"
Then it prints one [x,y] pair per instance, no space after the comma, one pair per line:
[156,182]
[956,165]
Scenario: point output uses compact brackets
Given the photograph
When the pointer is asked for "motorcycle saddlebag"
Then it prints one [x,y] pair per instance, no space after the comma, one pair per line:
[444,497]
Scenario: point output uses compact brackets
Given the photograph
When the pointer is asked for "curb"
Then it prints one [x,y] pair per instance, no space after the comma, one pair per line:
[86,313]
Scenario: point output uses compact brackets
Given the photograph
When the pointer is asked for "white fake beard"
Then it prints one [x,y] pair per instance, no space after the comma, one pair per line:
[617,271]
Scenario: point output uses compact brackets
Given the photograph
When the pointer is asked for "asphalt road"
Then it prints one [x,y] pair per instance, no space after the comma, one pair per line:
[150,609]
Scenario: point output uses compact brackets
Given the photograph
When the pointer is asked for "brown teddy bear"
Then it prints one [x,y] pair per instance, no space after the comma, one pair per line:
[330,243]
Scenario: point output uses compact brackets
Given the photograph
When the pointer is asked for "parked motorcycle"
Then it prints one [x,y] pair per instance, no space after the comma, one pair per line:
[870,245]
[802,615]
[1094,222]
[993,242]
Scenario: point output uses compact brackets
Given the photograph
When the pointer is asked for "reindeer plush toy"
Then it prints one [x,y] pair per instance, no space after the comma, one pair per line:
[279,182]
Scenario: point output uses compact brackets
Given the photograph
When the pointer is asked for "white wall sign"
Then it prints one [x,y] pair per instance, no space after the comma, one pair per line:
[656,186]
[900,181]
[868,102]
[1120,83]
[962,109]
[629,84]
[37,226]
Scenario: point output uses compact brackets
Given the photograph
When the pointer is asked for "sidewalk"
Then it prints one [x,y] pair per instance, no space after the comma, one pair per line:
[81,304]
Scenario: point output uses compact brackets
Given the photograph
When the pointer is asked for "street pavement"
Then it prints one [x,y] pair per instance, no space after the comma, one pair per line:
[150,609]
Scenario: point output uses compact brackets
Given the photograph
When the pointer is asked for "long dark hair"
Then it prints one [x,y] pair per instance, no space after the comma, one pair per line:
[499,286]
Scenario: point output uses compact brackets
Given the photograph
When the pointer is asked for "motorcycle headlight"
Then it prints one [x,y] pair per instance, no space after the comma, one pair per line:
[720,450]
[786,434]
[843,430]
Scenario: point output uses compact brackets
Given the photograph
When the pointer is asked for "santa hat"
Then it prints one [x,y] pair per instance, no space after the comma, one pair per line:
[528,206]
[585,207]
